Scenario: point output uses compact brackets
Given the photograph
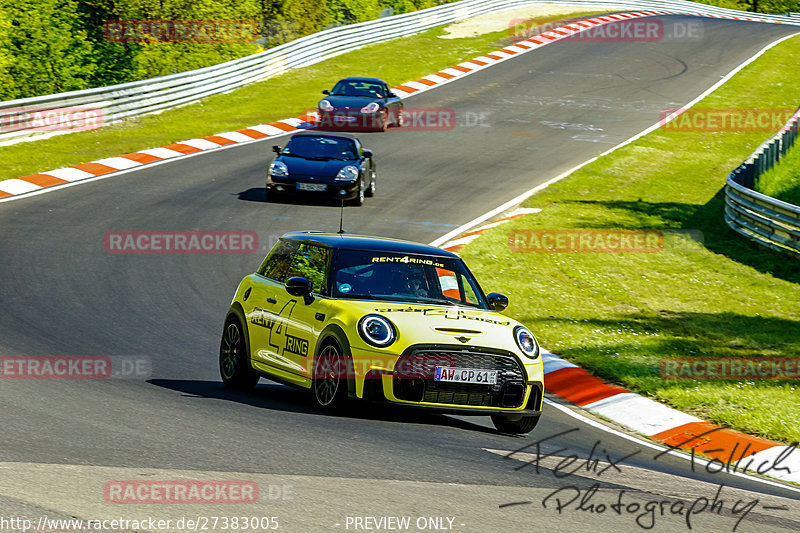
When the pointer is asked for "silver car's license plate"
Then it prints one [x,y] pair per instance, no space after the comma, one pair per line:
[312,187]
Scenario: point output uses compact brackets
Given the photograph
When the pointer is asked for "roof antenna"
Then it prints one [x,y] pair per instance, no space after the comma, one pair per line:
[341,213]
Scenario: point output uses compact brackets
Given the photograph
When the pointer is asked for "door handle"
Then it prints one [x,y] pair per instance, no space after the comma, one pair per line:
[272,301]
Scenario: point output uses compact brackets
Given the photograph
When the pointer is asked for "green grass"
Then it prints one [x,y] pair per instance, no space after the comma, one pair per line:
[618,314]
[783,180]
[288,95]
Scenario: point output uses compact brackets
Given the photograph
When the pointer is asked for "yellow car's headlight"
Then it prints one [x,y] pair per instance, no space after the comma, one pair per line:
[526,342]
[377,330]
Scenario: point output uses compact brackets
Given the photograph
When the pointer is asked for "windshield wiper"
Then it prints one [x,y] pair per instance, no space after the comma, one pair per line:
[434,301]
[359,296]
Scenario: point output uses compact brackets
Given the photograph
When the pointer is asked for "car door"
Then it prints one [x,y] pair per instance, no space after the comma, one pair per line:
[300,319]
[266,303]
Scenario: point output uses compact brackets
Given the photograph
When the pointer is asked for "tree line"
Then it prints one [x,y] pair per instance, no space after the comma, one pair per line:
[52,46]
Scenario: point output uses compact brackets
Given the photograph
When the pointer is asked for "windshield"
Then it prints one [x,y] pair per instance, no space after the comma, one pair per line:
[358,88]
[321,147]
[405,278]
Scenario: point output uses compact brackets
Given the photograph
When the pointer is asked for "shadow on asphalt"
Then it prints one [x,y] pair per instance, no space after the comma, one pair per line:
[278,397]
[257,194]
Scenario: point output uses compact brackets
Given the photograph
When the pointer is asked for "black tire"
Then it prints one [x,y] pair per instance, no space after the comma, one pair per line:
[515,424]
[370,192]
[329,378]
[234,361]
[359,199]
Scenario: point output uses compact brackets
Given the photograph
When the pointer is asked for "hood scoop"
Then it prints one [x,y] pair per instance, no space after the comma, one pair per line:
[458,331]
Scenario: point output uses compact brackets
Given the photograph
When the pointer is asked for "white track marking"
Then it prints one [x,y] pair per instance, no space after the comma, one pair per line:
[18,186]
[120,163]
[69,174]
[202,144]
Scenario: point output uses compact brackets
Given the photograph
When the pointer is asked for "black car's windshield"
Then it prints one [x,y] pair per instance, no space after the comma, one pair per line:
[321,147]
[358,88]
[404,278]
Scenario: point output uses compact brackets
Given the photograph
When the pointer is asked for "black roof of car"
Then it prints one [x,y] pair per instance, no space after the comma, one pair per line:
[368,243]
[362,78]
[314,133]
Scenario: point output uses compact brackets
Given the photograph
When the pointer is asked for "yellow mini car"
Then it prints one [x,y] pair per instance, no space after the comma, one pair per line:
[348,316]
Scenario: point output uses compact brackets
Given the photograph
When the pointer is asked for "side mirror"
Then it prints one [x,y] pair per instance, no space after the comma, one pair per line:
[276,149]
[497,301]
[392,95]
[326,91]
[367,153]
[300,286]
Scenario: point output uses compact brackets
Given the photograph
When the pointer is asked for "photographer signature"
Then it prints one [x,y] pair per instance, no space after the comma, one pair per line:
[642,507]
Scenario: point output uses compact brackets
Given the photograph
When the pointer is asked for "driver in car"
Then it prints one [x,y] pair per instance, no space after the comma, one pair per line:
[410,283]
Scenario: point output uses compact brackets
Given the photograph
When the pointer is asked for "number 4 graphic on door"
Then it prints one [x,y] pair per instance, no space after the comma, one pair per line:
[277,332]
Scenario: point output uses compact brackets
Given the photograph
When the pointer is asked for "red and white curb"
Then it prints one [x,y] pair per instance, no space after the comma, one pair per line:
[35,183]
[728,449]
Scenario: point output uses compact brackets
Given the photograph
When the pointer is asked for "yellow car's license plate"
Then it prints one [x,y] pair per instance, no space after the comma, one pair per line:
[465,375]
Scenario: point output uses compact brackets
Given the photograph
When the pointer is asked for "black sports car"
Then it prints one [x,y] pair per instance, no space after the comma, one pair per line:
[334,164]
[363,104]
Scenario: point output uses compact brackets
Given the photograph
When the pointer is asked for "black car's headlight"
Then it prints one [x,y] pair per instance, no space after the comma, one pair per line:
[377,331]
[371,107]
[278,168]
[348,173]
[526,342]
[325,105]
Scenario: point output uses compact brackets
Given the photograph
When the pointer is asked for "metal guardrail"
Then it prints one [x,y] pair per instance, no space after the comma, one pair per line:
[761,218]
[117,102]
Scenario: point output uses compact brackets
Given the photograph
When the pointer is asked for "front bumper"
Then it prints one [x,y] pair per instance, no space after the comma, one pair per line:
[332,190]
[409,379]
[341,120]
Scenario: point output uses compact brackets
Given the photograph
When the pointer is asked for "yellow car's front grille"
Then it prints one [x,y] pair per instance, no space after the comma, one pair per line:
[414,381]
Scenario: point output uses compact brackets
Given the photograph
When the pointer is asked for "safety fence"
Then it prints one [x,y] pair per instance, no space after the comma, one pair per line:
[766,220]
